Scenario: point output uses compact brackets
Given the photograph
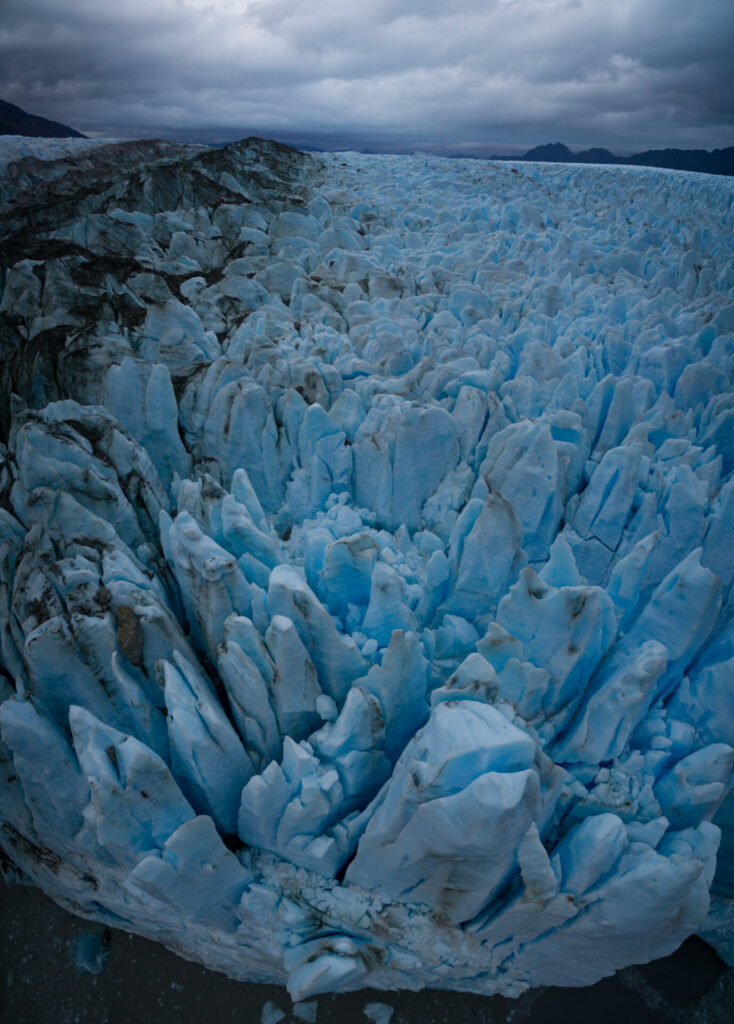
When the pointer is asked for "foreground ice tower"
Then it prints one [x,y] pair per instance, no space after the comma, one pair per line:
[366,558]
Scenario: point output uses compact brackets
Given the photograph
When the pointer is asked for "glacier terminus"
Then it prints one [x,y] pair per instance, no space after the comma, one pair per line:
[366,559]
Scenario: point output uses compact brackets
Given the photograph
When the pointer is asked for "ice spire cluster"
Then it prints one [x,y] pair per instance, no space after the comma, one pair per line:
[366,558]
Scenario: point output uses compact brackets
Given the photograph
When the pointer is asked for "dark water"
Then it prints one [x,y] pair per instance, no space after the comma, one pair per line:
[144,983]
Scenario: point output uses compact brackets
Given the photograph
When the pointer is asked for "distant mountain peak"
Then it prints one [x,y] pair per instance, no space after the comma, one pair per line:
[14,121]
[718,161]
[597,155]
[551,151]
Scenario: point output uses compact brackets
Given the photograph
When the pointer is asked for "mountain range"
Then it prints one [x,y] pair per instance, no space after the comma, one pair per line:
[718,161]
[14,121]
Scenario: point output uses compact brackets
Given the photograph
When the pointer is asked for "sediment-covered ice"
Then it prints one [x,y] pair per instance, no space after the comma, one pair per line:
[366,559]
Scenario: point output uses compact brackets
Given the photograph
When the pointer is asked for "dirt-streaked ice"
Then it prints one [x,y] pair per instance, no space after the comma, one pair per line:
[366,558]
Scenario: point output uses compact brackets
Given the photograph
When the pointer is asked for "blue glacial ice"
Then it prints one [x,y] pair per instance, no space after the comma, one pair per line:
[366,559]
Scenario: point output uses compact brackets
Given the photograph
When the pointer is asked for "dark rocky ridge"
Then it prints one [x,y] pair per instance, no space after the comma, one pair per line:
[15,121]
[718,161]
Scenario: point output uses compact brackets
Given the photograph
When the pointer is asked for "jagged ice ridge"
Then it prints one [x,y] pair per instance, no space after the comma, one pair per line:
[366,559]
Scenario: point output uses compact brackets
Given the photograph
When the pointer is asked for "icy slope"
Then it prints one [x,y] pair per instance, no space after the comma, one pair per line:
[367,557]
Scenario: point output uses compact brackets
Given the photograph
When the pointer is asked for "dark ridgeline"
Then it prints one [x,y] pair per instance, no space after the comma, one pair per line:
[718,161]
[14,121]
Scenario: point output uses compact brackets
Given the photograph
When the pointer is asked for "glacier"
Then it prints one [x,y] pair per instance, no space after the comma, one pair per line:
[366,559]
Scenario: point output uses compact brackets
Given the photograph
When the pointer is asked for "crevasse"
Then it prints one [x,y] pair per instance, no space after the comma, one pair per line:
[366,559]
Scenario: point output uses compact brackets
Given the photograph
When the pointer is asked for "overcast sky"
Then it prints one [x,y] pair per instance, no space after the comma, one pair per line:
[450,75]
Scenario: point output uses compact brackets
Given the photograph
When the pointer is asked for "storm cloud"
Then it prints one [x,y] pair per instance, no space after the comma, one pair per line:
[497,75]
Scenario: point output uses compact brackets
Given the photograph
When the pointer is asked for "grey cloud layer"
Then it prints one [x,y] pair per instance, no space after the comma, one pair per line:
[623,73]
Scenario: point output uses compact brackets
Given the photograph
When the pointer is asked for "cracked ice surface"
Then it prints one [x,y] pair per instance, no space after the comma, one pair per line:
[366,559]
